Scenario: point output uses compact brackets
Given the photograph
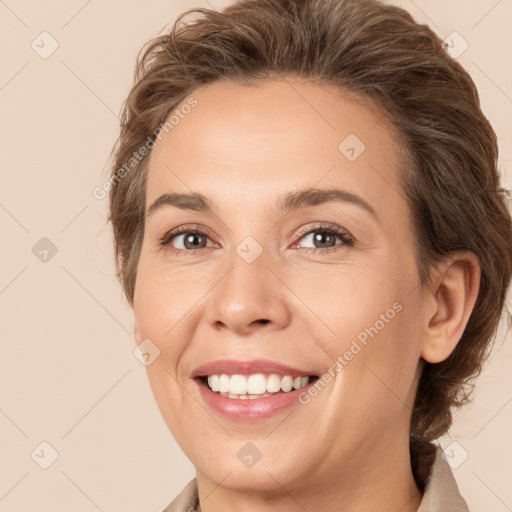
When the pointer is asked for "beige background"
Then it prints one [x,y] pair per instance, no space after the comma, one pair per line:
[68,374]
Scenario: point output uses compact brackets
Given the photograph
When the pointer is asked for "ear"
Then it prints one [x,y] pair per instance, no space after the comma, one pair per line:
[450,304]
[136,333]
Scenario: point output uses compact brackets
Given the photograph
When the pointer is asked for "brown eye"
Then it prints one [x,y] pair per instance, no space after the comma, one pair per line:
[324,237]
[192,240]
[186,240]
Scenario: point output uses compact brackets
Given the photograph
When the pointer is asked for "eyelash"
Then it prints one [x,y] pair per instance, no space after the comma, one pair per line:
[332,229]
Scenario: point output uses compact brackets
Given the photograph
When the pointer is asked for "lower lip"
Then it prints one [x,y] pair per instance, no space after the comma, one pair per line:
[248,410]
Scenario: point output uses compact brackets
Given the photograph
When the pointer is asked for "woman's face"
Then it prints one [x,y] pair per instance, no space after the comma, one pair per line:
[267,268]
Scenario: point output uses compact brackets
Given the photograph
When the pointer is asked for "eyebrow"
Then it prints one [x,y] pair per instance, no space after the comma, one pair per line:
[291,201]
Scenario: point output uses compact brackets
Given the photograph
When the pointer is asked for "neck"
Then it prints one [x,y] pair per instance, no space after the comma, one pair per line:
[386,485]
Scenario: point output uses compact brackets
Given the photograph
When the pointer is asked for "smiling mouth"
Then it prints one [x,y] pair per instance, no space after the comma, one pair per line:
[254,386]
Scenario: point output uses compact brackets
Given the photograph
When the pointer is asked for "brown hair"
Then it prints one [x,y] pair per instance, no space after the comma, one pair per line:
[376,51]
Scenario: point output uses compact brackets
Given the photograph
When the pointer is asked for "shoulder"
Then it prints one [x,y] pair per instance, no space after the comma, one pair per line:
[441,490]
[186,501]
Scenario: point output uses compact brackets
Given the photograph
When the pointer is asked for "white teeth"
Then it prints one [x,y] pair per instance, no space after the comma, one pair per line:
[237,385]
[213,382]
[254,386]
[273,383]
[224,383]
[287,383]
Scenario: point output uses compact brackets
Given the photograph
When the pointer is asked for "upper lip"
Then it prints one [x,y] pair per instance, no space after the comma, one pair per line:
[233,366]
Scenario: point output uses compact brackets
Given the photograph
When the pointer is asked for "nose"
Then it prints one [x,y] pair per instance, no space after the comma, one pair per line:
[249,297]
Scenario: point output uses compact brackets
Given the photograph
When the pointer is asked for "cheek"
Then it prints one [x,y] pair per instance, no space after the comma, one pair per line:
[162,302]
[159,309]
[163,292]
[369,327]
[382,372]
[349,303]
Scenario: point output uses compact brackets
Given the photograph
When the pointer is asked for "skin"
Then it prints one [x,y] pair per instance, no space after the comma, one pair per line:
[243,148]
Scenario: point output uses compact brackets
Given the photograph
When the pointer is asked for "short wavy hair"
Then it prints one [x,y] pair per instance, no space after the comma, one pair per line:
[377,51]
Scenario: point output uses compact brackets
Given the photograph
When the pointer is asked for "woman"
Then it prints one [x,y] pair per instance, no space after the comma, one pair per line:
[310,228]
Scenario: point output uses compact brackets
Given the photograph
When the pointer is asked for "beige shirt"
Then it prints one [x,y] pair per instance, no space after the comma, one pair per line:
[441,492]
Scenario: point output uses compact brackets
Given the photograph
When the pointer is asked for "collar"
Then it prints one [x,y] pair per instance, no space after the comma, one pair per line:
[441,492]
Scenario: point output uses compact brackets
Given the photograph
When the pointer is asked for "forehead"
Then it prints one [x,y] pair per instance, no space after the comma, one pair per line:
[250,144]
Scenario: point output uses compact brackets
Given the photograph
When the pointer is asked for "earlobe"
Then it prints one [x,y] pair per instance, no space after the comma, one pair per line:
[454,297]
